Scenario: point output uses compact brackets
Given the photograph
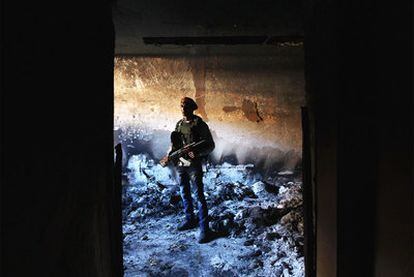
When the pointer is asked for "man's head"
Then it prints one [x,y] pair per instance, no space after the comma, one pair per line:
[188,106]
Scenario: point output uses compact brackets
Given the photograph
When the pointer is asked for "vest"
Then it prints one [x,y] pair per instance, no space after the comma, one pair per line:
[188,130]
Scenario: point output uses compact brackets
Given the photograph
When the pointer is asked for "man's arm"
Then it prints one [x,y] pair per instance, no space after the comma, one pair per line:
[209,145]
[165,160]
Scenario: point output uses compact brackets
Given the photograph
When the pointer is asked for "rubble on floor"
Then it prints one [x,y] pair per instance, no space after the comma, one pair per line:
[260,221]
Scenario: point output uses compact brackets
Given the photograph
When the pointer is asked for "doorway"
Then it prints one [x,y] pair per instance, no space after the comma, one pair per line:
[252,179]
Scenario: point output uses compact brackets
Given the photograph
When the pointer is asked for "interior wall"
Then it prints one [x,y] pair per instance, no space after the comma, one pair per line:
[394,241]
[322,97]
[251,103]
[56,140]
[360,92]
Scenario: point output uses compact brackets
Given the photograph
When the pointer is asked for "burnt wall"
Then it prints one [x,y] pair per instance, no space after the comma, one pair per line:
[56,140]
[358,63]
[251,103]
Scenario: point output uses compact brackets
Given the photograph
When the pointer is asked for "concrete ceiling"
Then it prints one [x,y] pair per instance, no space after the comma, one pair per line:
[159,18]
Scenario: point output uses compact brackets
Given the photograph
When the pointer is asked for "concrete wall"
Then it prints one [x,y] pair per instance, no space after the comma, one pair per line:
[251,103]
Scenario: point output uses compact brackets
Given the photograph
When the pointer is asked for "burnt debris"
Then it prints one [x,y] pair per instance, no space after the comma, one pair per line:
[259,221]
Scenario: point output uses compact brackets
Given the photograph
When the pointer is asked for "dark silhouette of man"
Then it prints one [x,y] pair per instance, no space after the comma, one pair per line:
[191,128]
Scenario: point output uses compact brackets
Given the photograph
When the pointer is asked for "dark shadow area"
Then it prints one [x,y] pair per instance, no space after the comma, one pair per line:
[57,133]
[360,96]
[57,194]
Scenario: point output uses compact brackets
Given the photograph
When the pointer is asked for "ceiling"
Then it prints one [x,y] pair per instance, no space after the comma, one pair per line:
[135,20]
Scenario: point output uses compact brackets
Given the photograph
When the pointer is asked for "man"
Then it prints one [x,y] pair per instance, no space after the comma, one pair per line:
[191,128]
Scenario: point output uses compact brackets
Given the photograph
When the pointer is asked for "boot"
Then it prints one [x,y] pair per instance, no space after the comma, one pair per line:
[187,225]
[206,236]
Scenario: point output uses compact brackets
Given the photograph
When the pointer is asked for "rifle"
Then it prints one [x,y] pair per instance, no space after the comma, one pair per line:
[180,152]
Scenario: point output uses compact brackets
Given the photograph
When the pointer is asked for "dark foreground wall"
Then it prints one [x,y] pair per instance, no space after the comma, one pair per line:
[358,60]
[56,131]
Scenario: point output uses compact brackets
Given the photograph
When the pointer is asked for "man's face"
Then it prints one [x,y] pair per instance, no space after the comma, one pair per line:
[186,109]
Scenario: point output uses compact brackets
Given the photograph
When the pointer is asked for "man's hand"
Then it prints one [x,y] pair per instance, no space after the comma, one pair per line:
[190,153]
[164,161]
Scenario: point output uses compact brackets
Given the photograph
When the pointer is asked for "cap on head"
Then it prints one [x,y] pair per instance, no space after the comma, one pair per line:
[190,102]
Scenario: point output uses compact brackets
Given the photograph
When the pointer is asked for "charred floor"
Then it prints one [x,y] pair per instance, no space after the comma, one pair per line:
[259,222]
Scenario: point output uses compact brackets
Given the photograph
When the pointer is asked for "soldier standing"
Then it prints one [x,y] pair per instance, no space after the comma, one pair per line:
[191,128]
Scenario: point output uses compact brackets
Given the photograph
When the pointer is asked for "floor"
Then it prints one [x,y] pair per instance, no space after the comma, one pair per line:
[259,222]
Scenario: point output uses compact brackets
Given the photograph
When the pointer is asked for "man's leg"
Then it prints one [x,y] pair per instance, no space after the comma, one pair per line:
[185,192]
[205,233]
[202,204]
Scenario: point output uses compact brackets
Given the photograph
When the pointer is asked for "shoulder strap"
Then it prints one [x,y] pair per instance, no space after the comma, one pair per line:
[178,125]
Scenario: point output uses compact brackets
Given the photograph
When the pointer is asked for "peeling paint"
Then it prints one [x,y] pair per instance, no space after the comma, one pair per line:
[250,111]
[229,109]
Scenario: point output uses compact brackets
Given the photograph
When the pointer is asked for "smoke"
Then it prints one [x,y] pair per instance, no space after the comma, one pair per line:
[268,160]
[137,174]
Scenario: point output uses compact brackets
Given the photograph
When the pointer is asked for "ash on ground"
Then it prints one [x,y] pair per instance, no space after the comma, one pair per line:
[259,219]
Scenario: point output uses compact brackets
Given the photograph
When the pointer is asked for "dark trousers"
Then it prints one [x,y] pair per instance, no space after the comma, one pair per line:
[193,174]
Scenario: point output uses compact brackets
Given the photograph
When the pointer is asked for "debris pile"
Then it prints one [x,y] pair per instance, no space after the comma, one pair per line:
[260,221]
